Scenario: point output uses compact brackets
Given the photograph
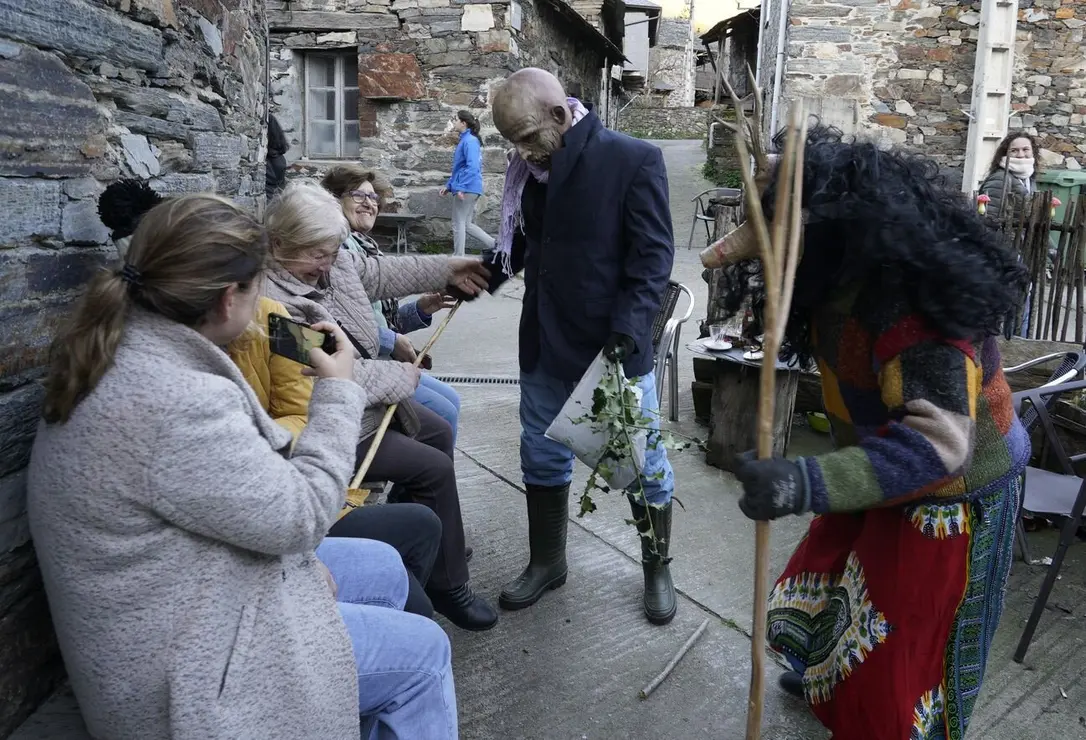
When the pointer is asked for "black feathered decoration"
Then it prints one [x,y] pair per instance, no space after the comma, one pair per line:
[123,203]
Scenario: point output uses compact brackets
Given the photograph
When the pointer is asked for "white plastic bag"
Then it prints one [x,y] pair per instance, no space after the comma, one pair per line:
[588,439]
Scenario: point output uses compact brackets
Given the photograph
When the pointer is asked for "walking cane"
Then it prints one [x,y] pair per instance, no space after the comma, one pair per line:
[779,252]
[391,411]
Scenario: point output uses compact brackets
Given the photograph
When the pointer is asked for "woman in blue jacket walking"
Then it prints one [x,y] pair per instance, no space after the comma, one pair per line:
[466,183]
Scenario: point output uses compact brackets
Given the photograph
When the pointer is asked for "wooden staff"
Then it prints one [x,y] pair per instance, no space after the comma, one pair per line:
[391,411]
[779,251]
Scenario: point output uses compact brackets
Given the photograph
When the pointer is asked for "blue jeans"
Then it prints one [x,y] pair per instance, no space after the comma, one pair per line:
[405,681]
[441,398]
[544,462]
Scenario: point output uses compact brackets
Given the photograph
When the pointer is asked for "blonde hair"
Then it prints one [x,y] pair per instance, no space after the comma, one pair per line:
[303,216]
[183,256]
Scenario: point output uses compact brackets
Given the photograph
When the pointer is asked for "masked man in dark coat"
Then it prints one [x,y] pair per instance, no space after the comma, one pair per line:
[586,216]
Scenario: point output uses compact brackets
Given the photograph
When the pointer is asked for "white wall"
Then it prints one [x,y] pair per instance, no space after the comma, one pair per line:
[636,43]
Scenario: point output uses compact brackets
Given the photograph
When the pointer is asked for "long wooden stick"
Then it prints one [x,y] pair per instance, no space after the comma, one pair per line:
[780,257]
[644,693]
[391,410]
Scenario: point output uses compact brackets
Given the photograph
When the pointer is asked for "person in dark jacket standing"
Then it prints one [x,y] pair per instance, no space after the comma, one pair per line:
[1013,170]
[466,183]
[275,172]
[586,215]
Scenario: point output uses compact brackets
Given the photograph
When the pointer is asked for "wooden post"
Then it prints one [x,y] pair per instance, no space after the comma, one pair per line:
[728,218]
[735,403]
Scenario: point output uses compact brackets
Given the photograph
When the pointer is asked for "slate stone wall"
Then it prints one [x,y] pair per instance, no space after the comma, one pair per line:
[166,90]
[426,59]
[664,123]
[903,71]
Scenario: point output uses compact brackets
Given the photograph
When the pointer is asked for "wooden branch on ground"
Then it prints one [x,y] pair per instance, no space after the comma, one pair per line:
[644,693]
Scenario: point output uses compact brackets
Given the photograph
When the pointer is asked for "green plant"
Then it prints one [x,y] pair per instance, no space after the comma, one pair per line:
[722,177]
[1079,399]
[616,408]
[433,248]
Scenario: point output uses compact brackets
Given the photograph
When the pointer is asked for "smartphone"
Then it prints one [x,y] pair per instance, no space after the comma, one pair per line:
[293,339]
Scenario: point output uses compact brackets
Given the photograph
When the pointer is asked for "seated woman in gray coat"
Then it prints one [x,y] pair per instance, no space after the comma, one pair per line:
[318,281]
[176,531]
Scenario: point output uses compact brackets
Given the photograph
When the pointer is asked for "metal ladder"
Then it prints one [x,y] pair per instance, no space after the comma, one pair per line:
[992,78]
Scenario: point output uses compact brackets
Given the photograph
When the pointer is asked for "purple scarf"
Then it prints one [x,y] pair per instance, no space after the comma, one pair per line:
[516,177]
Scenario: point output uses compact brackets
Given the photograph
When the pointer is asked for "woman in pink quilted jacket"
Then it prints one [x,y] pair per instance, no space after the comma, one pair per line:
[318,281]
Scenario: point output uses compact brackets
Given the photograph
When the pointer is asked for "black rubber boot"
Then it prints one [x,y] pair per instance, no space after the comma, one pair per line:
[464,608]
[792,683]
[660,600]
[548,517]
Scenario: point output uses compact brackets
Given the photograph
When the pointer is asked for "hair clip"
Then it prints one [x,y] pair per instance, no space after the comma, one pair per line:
[131,275]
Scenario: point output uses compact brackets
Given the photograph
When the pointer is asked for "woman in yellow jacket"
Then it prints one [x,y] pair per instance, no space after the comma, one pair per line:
[284,392]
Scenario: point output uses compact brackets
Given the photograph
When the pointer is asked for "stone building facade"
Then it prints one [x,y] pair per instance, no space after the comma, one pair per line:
[170,91]
[903,70]
[664,123]
[380,81]
[669,80]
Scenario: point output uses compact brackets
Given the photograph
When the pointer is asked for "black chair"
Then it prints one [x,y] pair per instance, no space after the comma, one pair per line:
[1072,365]
[1045,492]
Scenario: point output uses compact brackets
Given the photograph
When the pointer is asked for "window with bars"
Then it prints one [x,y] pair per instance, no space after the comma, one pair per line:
[331,105]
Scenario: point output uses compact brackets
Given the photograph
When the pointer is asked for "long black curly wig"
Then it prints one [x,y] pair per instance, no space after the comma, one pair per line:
[882,215]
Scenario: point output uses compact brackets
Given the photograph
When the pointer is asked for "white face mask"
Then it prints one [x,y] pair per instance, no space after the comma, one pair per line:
[1018,166]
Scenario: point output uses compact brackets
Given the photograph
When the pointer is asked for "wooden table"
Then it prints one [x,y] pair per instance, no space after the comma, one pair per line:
[733,421]
[402,222]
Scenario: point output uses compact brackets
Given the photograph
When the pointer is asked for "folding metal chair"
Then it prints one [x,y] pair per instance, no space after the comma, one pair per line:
[666,330]
[1072,365]
[702,213]
[1045,492]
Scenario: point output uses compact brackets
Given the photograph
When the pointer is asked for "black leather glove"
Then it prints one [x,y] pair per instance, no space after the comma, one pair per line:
[459,294]
[772,488]
[618,347]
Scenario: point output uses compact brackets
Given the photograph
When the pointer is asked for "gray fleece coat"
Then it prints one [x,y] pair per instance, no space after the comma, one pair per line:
[354,283]
[176,543]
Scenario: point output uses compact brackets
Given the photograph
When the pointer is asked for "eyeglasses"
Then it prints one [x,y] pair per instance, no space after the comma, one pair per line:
[320,256]
[360,196]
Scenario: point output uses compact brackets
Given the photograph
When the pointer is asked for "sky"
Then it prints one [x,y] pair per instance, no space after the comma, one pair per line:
[707,13]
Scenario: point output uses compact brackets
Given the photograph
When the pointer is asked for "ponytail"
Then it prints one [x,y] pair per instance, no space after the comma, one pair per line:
[185,253]
[470,121]
[84,349]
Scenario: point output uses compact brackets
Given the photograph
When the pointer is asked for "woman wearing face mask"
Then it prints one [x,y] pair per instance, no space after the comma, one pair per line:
[175,536]
[1013,170]
[466,183]
[361,197]
[318,281]
[1012,178]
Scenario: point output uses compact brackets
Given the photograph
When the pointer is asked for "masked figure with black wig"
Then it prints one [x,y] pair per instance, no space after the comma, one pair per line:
[887,608]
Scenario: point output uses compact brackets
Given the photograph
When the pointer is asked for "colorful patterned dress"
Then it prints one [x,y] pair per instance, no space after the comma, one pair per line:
[889,604]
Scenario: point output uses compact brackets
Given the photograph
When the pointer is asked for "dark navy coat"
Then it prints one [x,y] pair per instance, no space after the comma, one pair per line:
[596,251]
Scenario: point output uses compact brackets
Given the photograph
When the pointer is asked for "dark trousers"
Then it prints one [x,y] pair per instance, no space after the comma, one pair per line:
[413,530]
[422,469]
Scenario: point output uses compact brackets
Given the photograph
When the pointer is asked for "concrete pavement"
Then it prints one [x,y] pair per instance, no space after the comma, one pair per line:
[571,667]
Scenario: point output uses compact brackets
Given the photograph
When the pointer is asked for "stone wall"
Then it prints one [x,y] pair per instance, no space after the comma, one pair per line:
[664,123]
[435,57]
[672,63]
[903,71]
[171,91]
[1049,95]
